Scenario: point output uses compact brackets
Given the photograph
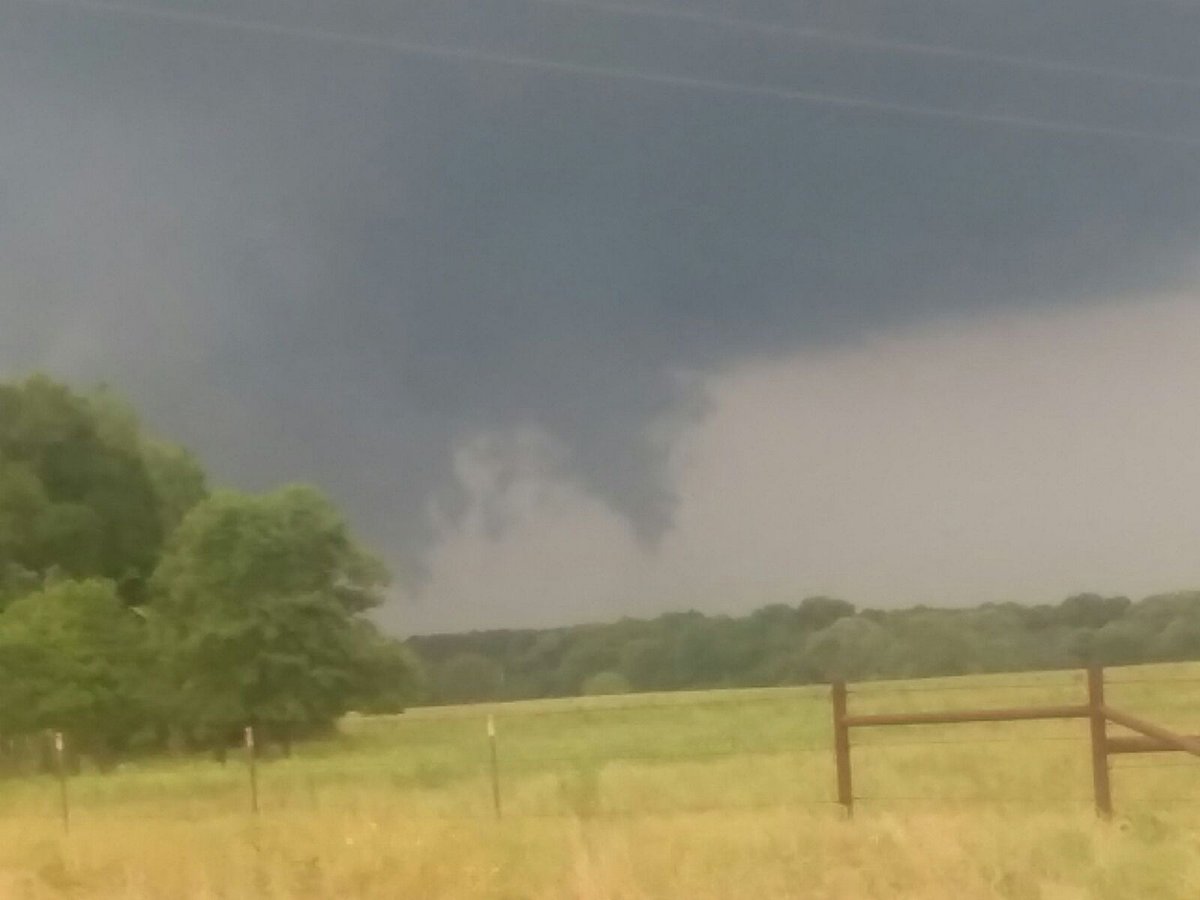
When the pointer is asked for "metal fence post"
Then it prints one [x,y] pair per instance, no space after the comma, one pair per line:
[491,733]
[841,748]
[1098,720]
[252,765]
[61,766]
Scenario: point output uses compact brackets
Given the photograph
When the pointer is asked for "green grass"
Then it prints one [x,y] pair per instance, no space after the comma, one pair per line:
[695,795]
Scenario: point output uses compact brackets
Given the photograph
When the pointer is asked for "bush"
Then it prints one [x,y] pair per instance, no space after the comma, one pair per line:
[605,683]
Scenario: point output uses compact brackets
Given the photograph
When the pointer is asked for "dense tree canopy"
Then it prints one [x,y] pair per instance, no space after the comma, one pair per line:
[74,657]
[76,497]
[256,602]
[813,641]
[135,606]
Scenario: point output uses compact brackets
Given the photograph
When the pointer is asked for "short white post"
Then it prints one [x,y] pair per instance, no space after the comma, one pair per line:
[491,732]
[61,767]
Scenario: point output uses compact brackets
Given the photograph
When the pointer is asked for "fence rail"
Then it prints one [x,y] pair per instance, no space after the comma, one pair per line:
[503,758]
[1148,737]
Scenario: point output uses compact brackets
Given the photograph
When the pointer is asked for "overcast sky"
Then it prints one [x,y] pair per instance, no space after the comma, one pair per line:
[576,322]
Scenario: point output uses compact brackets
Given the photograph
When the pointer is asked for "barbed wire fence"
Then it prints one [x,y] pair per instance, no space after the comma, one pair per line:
[502,759]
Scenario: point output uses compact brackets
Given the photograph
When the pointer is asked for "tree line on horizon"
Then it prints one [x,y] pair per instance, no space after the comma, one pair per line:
[141,610]
[817,640]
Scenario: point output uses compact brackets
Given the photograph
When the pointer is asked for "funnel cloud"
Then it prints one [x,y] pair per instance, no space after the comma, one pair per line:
[463,296]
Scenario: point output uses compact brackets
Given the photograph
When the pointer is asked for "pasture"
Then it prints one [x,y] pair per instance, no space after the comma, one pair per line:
[695,796]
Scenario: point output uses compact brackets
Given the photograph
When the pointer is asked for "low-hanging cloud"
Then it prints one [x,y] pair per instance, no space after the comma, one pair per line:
[1019,456]
[341,264]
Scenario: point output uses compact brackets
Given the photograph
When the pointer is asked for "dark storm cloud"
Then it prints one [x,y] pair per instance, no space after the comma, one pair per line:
[317,260]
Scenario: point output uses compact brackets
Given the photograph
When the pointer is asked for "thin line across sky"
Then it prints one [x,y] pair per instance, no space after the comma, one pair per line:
[877,44]
[849,103]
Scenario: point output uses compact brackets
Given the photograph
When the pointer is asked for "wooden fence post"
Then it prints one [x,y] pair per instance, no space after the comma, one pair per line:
[1098,720]
[841,748]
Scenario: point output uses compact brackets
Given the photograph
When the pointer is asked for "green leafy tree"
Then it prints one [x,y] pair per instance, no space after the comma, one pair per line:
[75,495]
[697,657]
[468,677]
[176,476]
[819,638]
[387,675]
[646,663]
[604,683]
[178,481]
[1092,610]
[592,651]
[1179,640]
[933,642]
[74,658]
[849,648]
[258,605]
[815,613]
[1121,643]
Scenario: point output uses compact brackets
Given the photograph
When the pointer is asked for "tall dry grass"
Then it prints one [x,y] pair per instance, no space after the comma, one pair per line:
[698,796]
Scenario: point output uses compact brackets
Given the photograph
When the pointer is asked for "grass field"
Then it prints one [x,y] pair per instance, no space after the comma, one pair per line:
[702,795]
